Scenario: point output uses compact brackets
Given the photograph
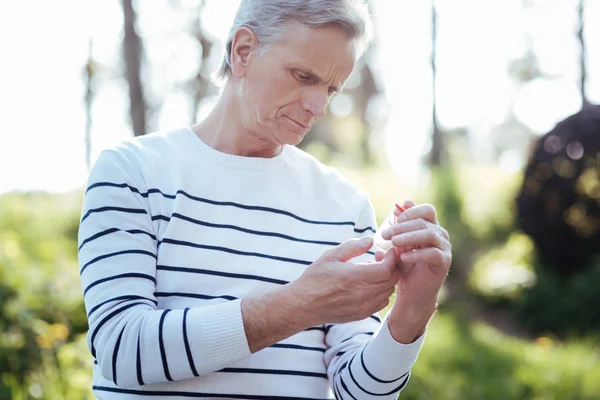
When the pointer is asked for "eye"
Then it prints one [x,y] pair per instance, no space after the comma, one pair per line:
[301,76]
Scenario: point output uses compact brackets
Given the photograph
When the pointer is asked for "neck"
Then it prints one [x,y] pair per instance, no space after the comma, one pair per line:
[224,130]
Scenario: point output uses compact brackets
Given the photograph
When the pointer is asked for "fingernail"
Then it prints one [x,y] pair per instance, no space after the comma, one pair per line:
[386,232]
[365,241]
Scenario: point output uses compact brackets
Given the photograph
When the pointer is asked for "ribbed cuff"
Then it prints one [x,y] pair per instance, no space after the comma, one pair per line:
[387,359]
[217,336]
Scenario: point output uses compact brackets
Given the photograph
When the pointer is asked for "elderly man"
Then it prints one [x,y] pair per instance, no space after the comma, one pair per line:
[219,261]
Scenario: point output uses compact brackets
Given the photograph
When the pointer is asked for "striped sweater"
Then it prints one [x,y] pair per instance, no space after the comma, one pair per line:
[174,233]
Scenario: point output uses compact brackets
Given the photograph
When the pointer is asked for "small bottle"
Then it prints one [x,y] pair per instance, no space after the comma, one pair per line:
[380,243]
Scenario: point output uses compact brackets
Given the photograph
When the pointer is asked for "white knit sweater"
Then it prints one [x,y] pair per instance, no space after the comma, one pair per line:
[174,233]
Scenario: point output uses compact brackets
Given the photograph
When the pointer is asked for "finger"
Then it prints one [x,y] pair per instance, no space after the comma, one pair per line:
[378,272]
[432,256]
[407,226]
[400,208]
[401,250]
[379,255]
[425,211]
[408,204]
[348,250]
[420,239]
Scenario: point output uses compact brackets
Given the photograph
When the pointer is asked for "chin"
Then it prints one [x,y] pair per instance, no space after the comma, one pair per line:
[293,138]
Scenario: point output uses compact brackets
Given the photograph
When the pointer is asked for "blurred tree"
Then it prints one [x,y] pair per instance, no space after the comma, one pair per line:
[559,202]
[132,53]
[201,85]
[353,116]
[582,53]
[437,146]
[90,75]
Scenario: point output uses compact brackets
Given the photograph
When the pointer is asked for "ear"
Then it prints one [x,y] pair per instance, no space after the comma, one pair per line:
[242,46]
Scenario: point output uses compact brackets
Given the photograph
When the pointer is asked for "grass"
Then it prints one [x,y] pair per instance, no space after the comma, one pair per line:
[470,360]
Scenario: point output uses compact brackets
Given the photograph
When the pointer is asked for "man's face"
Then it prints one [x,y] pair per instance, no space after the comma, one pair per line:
[287,89]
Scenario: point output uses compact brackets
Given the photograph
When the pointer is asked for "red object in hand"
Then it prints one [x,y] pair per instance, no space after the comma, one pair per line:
[400,208]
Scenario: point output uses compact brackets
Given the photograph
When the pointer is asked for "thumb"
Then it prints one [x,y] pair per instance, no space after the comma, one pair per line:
[348,249]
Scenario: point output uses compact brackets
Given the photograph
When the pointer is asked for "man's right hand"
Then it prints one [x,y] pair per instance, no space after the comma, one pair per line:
[335,290]
[331,290]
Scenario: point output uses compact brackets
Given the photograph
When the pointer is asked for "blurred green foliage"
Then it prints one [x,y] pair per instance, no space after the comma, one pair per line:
[463,360]
[43,354]
[42,318]
[559,305]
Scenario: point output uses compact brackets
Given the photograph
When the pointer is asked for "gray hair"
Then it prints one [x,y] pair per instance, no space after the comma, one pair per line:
[268,19]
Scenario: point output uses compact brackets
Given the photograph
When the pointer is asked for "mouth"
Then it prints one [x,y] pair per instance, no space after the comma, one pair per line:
[304,127]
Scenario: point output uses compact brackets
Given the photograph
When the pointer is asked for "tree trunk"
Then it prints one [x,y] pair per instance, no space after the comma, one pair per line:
[202,85]
[435,154]
[132,53]
[582,54]
[89,99]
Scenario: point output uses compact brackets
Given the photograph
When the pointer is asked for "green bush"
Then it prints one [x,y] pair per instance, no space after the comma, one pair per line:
[563,306]
[42,319]
[42,316]
[463,361]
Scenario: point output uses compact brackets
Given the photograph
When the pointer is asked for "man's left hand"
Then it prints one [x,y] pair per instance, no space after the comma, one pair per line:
[424,255]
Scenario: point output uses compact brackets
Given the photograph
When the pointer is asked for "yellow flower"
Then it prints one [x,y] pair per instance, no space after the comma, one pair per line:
[59,331]
[543,342]
[43,342]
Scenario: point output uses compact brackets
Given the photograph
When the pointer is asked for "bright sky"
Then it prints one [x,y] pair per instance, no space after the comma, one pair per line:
[44,46]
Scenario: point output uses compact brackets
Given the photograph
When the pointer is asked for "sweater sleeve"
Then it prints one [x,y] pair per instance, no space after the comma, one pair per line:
[133,342]
[363,359]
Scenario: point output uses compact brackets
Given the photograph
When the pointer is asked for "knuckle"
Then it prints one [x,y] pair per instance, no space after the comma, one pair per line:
[444,233]
[432,236]
[440,256]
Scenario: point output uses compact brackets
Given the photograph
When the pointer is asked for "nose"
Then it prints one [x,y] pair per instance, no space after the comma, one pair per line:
[315,102]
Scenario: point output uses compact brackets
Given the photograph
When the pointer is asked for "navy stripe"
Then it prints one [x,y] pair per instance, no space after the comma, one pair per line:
[362,361]
[227,203]
[376,318]
[346,388]
[120,276]
[110,208]
[127,297]
[188,351]
[115,353]
[161,344]
[363,230]
[316,328]
[138,360]
[328,328]
[342,380]
[250,231]
[297,347]
[340,353]
[105,320]
[110,184]
[336,391]
[193,295]
[97,235]
[352,337]
[232,251]
[273,372]
[118,253]
[199,395]
[112,230]
[219,273]
[366,391]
